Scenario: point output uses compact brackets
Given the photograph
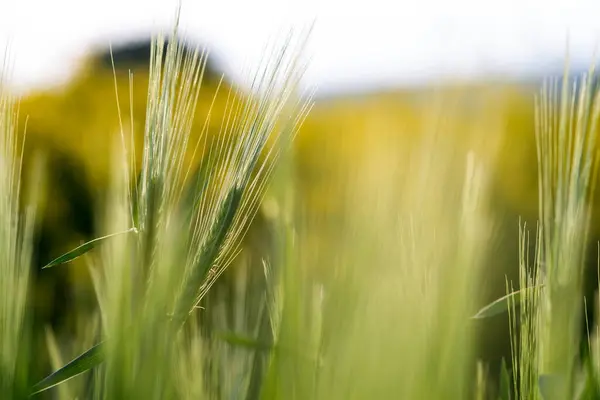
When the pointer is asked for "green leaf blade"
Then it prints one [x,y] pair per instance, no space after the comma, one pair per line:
[502,304]
[86,361]
[84,248]
[505,390]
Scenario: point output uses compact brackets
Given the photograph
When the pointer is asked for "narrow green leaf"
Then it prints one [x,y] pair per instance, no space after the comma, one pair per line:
[84,248]
[505,392]
[501,305]
[79,365]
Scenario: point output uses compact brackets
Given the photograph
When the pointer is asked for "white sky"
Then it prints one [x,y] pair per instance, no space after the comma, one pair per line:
[353,43]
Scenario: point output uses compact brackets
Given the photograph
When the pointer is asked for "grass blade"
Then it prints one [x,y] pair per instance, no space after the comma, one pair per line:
[502,304]
[81,364]
[505,392]
[84,248]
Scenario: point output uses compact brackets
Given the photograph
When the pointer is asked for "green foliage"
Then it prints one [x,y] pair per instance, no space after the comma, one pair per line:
[505,386]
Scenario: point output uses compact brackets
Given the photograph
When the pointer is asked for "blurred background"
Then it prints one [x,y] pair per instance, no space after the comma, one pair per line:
[356,47]
[355,44]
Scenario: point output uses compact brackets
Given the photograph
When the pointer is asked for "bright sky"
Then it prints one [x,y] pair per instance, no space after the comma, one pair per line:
[353,43]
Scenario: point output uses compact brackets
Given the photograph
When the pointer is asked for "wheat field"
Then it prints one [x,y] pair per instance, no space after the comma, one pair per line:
[215,242]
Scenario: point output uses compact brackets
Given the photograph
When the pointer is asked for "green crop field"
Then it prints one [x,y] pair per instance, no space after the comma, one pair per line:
[212,242]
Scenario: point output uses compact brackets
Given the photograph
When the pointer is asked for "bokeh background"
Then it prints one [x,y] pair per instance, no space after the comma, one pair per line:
[369,61]
[355,44]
